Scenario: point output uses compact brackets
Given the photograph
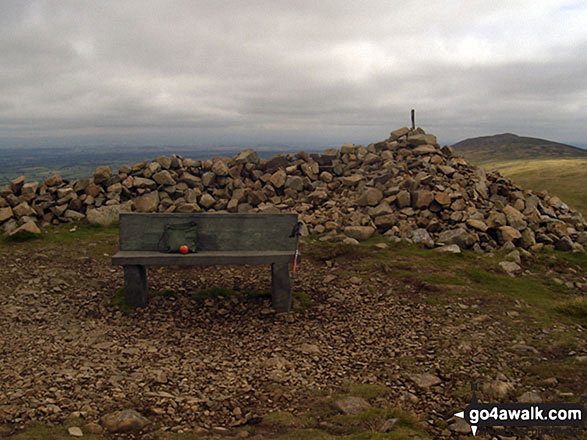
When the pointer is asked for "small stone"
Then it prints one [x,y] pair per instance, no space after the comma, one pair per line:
[352,405]
[360,233]
[422,236]
[350,241]
[451,248]
[425,380]
[370,197]
[355,280]
[75,431]
[246,156]
[309,349]
[93,428]
[127,420]
[530,397]
[477,224]
[564,244]
[510,267]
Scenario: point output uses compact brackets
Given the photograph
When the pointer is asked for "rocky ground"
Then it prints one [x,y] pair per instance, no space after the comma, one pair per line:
[406,329]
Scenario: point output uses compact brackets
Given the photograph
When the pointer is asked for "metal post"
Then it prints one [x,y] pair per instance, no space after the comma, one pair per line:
[413,119]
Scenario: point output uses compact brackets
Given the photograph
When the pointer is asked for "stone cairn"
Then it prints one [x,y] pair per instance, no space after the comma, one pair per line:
[406,188]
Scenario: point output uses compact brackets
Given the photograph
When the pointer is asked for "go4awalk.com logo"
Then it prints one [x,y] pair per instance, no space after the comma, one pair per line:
[522,414]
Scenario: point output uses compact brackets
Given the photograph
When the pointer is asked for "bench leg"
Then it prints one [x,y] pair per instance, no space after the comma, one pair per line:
[280,286]
[135,286]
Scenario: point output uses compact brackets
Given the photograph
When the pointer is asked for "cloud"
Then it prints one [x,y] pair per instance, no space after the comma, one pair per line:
[198,72]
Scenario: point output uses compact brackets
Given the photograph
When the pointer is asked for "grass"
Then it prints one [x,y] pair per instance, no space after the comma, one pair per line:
[565,178]
[38,431]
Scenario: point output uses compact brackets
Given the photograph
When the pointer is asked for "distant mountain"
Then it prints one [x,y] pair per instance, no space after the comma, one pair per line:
[508,146]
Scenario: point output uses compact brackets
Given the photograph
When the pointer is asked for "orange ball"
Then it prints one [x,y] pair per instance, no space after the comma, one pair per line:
[183,249]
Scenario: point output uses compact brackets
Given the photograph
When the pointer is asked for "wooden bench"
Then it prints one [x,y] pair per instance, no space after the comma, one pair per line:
[223,238]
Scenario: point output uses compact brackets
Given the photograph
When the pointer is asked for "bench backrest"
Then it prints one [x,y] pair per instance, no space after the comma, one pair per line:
[216,231]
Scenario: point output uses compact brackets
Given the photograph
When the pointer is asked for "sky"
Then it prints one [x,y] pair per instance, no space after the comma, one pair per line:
[296,73]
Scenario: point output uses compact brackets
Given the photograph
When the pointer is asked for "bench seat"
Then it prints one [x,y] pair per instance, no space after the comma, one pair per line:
[222,239]
[203,258]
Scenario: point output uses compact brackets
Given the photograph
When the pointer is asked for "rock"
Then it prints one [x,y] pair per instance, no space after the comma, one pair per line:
[528,239]
[403,199]
[147,202]
[220,168]
[278,178]
[352,180]
[460,426]
[246,156]
[497,389]
[207,200]
[326,177]
[510,267]
[93,428]
[75,431]
[330,154]
[451,248]
[309,348]
[396,134]
[352,405]
[530,397]
[370,197]
[102,174]
[29,191]
[163,161]
[23,210]
[73,215]
[127,420]
[104,215]
[389,425]
[458,236]
[422,236]
[295,182]
[164,178]
[208,178]
[347,148]
[425,380]
[360,233]
[54,180]
[142,182]
[25,230]
[350,241]
[425,149]
[5,214]
[564,244]
[421,199]
[477,224]
[507,233]
[17,184]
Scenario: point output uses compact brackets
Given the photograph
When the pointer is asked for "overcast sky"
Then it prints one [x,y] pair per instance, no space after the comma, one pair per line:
[308,73]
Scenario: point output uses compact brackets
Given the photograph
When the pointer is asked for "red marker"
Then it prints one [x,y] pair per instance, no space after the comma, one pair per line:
[183,249]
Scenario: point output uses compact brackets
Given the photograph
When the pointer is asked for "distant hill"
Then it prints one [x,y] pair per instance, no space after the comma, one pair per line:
[534,163]
[508,146]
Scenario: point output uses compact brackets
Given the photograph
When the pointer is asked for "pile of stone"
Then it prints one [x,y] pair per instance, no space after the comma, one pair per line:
[405,187]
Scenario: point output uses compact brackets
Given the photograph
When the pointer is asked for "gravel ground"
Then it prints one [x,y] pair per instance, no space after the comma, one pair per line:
[226,362]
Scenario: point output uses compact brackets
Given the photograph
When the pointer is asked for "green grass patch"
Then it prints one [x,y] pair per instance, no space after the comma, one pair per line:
[367,390]
[280,419]
[575,308]
[118,301]
[38,431]
[82,230]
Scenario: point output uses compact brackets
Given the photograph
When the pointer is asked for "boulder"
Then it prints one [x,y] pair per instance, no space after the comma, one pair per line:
[104,215]
[370,197]
[164,178]
[147,202]
[102,174]
[360,233]
[421,236]
[507,233]
[458,236]
[246,156]
[25,230]
[220,168]
[5,214]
